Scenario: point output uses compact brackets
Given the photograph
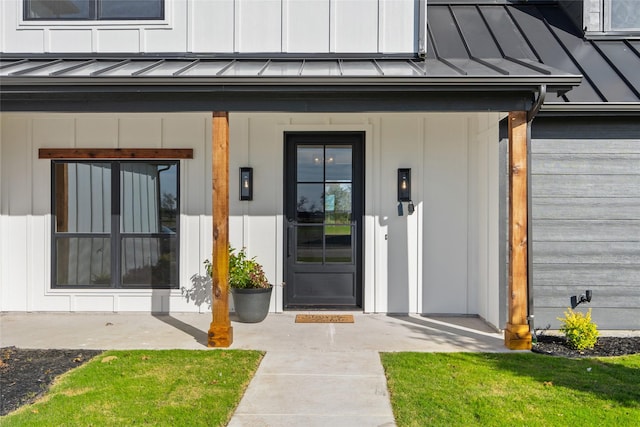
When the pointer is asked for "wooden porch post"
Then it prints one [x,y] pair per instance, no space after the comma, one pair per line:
[518,335]
[220,330]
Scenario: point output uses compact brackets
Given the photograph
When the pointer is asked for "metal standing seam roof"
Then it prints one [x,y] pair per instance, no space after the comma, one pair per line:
[177,71]
[469,45]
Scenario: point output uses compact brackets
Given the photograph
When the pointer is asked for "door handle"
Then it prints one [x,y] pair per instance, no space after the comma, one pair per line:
[290,231]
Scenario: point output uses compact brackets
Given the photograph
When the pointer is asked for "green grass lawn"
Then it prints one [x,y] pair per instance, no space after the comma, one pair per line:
[507,389]
[145,387]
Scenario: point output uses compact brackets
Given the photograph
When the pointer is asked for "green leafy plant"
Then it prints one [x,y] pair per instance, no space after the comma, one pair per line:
[579,330]
[244,272]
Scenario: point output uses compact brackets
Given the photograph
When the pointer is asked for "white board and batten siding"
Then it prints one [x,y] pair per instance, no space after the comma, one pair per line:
[586,229]
[441,259]
[227,26]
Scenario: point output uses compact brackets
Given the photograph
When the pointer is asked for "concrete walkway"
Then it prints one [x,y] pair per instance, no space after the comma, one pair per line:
[313,374]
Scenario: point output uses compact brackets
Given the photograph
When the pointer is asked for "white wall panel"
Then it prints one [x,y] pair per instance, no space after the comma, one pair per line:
[401,140]
[258,26]
[211,26]
[445,215]
[140,132]
[354,26]
[396,26]
[118,40]
[70,40]
[306,26]
[97,131]
[172,37]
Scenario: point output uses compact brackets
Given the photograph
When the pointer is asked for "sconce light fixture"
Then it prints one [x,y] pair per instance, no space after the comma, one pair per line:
[246,183]
[586,297]
[404,185]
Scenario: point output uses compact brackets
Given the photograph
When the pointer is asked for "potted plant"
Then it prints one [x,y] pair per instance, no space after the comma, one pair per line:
[249,286]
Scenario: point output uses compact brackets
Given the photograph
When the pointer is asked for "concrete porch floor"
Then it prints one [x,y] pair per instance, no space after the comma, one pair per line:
[278,331]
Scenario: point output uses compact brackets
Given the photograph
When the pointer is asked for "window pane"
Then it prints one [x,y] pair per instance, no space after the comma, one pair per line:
[625,14]
[149,261]
[338,204]
[309,244]
[338,243]
[58,9]
[130,9]
[83,197]
[148,198]
[338,164]
[310,163]
[83,261]
[310,203]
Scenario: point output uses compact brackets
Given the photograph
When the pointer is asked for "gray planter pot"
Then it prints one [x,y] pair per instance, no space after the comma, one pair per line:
[252,305]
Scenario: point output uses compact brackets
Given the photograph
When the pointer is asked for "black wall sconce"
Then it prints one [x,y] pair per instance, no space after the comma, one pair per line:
[586,297]
[404,190]
[404,185]
[246,183]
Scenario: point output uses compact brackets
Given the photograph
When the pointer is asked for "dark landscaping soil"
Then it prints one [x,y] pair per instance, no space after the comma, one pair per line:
[605,346]
[26,374]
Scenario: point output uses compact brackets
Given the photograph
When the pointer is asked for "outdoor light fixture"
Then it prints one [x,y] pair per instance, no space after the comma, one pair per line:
[404,185]
[246,183]
[586,297]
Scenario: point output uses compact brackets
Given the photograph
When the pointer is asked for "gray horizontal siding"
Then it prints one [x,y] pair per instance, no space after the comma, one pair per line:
[608,186]
[586,231]
[586,227]
[585,164]
[586,208]
[593,275]
[605,318]
[602,297]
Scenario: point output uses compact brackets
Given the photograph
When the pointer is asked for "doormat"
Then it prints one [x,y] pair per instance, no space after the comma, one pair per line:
[324,318]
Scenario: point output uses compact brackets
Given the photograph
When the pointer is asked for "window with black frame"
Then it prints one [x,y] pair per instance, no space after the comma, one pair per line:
[93,10]
[115,224]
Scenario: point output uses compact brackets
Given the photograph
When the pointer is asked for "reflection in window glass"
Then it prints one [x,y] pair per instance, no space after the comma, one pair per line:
[83,197]
[128,9]
[310,203]
[148,198]
[93,9]
[338,204]
[148,261]
[310,163]
[83,261]
[309,244]
[338,164]
[625,15]
[338,243]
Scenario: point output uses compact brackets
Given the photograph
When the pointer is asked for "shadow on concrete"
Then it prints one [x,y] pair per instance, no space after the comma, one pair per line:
[197,334]
[469,333]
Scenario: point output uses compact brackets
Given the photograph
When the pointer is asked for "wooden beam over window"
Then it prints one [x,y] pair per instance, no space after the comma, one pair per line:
[115,153]
[518,334]
[220,330]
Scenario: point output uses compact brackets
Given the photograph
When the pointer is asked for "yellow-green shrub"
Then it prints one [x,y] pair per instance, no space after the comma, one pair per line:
[579,330]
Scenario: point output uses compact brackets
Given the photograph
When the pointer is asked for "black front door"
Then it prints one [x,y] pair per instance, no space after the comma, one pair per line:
[324,176]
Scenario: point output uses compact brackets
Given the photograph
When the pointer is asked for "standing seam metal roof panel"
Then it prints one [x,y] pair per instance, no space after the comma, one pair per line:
[549,49]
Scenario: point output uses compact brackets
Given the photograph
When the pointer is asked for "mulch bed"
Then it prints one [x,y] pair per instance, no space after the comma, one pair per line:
[605,347]
[26,374]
